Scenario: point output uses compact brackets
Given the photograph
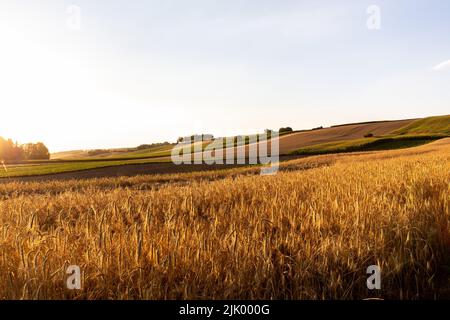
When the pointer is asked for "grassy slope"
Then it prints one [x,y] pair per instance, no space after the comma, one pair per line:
[153,152]
[368,144]
[417,133]
[431,125]
[160,151]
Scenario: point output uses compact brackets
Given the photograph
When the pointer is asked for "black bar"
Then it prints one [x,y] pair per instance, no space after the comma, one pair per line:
[224,309]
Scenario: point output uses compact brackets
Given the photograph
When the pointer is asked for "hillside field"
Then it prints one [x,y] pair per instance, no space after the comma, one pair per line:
[368,136]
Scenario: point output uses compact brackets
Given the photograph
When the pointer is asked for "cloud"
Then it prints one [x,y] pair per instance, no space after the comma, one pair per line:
[443,65]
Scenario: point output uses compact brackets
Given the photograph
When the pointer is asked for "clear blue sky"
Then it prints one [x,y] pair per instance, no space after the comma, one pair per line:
[145,71]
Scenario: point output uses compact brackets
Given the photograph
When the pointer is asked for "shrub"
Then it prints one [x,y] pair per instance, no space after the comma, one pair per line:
[286,129]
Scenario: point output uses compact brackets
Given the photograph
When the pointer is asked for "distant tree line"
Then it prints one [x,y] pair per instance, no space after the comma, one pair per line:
[198,137]
[152,145]
[97,152]
[12,151]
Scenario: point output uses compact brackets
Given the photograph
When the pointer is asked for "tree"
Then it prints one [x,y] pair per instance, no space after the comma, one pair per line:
[36,151]
[10,150]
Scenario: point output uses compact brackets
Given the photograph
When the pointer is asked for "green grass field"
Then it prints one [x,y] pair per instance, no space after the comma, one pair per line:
[152,152]
[162,151]
[25,170]
[430,125]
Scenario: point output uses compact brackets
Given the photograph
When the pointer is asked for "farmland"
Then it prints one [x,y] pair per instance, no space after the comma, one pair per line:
[53,167]
[308,232]
[384,135]
[368,144]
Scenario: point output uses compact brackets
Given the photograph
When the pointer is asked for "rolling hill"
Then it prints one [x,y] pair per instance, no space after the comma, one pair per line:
[415,133]
[430,125]
[295,141]
[366,136]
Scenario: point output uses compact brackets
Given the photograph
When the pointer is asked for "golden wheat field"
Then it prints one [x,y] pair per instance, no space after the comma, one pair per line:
[308,232]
